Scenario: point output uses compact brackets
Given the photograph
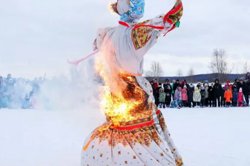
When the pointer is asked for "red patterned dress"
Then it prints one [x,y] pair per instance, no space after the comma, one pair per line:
[135,132]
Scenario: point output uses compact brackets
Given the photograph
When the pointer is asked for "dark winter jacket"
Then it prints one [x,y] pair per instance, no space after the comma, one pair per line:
[203,94]
[167,88]
[245,88]
[210,93]
[235,95]
[175,85]
[218,90]
[190,93]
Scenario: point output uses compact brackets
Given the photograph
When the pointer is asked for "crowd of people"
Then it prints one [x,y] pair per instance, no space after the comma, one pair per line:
[177,94]
[17,92]
[20,93]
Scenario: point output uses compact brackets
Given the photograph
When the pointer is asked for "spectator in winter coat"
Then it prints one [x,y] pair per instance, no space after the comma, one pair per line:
[234,87]
[162,98]
[223,103]
[203,95]
[237,83]
[206,94]
[245,90]
[198,85]
[227,85]
[155,87]
[176,84]
[184,83]
[197,97]
[211,99]
[177,94]
[240,99]
[235,97]
[190,92]
[218,93]
[228,96]
[184,96]
[168,91]
[177,97]
[155,84]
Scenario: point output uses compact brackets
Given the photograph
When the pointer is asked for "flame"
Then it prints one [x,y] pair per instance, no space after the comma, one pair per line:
[122,98]
[118,108]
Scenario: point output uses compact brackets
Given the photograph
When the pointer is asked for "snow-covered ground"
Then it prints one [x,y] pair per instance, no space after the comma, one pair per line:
[205,137]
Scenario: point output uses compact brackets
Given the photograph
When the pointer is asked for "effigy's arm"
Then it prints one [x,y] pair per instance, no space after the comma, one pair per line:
[151,29]
[174,15]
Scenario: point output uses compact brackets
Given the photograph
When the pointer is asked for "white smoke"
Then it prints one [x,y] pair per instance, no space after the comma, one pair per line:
[17,93]
[78,91]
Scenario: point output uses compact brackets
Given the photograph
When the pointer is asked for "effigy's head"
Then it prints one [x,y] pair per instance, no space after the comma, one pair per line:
[129,10]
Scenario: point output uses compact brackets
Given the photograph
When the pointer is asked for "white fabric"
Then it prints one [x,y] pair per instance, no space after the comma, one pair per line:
[123,6]
[120,51]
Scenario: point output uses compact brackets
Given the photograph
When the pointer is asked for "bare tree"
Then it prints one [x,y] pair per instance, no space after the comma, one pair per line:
[246,68]
[191,72]
[179,73]
[219,64]
[191,75]
[155,70]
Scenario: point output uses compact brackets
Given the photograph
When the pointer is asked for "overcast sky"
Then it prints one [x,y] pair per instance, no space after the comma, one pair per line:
[37,37]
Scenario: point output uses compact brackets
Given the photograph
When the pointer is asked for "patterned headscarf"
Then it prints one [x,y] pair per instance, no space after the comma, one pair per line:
[130,10]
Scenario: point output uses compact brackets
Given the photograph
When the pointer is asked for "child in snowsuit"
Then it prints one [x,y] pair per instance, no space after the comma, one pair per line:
[240,99]
[197,97]
[228,97]
[177,98]
[162,98]
[184,96]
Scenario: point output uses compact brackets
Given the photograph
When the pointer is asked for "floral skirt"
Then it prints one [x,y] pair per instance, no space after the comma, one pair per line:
[142,142]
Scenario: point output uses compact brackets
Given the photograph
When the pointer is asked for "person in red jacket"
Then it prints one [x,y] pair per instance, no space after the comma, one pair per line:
[240,98]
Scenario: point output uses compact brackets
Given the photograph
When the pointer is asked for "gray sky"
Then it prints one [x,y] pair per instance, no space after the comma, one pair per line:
[37,37]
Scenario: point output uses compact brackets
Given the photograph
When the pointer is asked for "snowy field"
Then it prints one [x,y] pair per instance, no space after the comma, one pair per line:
[205,137]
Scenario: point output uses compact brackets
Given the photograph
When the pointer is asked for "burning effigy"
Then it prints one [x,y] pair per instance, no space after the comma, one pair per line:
[135,132]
